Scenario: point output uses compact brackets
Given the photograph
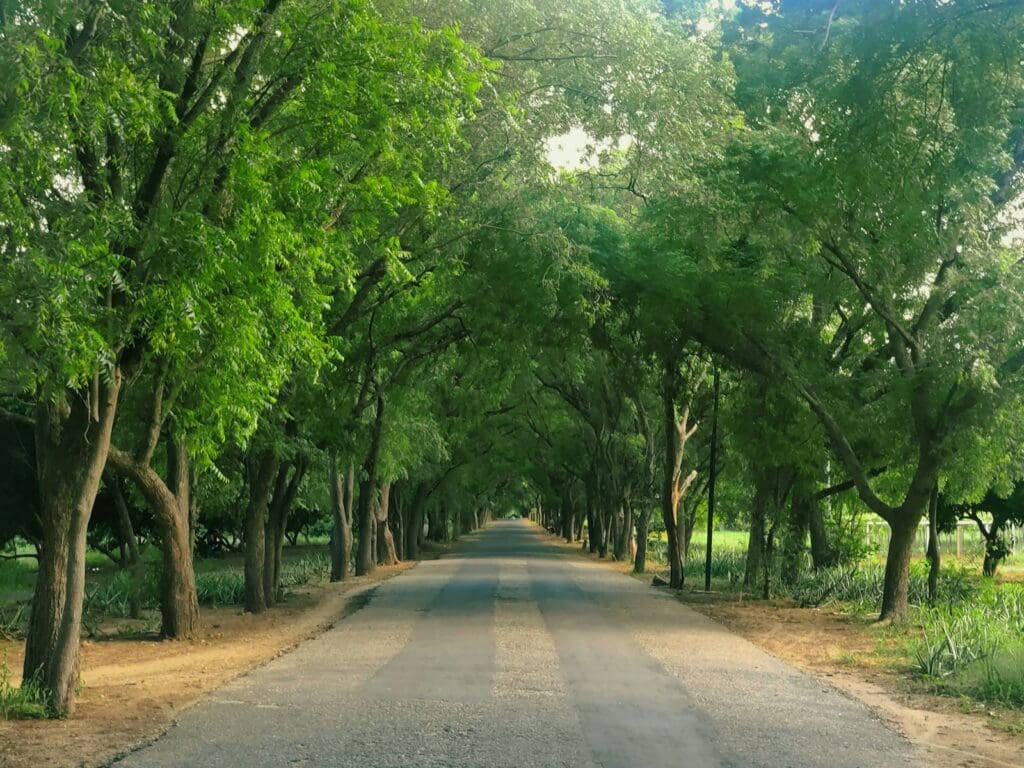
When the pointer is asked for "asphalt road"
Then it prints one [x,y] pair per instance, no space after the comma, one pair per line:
[514,652]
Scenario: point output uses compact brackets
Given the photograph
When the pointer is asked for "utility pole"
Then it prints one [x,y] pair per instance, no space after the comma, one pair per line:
[713,470]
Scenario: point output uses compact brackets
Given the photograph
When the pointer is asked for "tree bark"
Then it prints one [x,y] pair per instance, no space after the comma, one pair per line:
[169,501]
[642,521]
[797,525]
[262,471]
[341,518]
[386,552]
[822,554]
[934,556]
[285,490]
[895,593]
[755,544]
[72,440]
[415,530]
[133,561]
[365,560]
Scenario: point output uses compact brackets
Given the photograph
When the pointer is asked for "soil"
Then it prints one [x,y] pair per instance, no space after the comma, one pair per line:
[133,688]
[849,653]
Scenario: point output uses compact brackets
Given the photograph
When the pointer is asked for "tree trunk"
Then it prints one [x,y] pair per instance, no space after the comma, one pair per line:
[755,544]
[822,555]
[399,517]
[169,502]
[341,518]
[262,472]
[179,603]
[591,513]
[72,437]
[797,525]
[415,531]
[643,517]
[133,561]
[623,529]
[934,557]
[895,593]
[568,524]
[285,491]
[365,560]
[387,554]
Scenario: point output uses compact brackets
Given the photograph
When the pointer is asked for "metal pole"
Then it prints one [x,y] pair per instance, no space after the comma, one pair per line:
[713,470]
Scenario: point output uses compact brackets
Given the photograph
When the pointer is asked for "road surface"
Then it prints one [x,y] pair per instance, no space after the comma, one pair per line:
[515,652]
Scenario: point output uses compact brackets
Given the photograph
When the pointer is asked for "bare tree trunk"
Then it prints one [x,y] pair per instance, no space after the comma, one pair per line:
[934,557]
[797,526]
[72,437]
[365,560]
[262,471]
[341,518]
[415,531]
[134,556]
[896,590]
[643,517]
[169,501]
[822,555]
[592,526]
[285,491]
[386,552]
[755,544]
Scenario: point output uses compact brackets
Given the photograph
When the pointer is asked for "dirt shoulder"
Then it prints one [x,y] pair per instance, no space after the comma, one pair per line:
[851,655]
[133,688]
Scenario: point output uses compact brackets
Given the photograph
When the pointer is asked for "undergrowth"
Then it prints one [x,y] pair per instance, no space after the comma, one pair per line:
[24,702]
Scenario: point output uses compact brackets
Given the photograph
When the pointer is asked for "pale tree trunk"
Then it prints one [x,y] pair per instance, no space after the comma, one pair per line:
[674,485]
[386,552]
[341,518]
[72,436]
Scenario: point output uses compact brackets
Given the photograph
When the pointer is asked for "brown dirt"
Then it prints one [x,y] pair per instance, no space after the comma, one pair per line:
[133,688]
[856,657]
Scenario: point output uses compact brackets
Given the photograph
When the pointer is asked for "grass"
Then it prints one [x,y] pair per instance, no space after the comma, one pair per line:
[24,702]
[975,647]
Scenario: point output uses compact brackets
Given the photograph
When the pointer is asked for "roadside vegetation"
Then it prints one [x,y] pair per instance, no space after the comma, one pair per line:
[967,643]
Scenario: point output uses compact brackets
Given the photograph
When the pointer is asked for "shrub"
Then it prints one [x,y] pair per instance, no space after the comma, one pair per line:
[862,585]
[221,588]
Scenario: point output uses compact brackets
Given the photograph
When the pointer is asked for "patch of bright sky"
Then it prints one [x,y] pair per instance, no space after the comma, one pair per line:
[576,150]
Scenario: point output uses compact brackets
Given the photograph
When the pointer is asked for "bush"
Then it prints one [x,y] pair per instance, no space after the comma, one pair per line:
[306,570]
[221,588]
